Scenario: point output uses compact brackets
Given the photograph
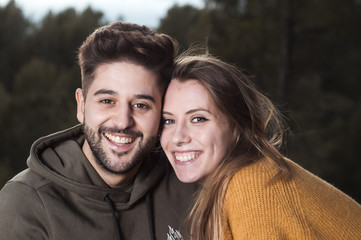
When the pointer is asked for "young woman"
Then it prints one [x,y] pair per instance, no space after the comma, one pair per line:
[220,131]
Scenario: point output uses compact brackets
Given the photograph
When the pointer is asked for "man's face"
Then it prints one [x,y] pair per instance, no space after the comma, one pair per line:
[121,115]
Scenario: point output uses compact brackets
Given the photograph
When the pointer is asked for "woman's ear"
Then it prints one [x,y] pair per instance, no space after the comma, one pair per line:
[80,104]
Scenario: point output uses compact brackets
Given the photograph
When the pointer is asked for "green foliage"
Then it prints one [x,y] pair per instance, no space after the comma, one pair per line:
[4,100]
[183,23]
[40,104]
[6,172]
[66,30]
[14,31]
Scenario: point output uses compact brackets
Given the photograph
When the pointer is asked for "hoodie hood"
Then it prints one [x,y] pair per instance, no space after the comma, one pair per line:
[59,158]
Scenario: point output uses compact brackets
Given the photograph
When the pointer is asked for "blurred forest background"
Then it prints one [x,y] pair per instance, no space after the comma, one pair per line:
[305,55]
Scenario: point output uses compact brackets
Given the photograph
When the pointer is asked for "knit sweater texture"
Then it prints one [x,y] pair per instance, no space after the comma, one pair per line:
[302,207]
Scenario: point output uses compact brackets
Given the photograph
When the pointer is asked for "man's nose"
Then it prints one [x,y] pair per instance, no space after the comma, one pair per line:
[123,117]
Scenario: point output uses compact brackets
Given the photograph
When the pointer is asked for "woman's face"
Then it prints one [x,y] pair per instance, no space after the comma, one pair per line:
[196,134]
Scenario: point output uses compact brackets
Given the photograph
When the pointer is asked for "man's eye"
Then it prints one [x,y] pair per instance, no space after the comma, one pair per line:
[107,101]
[141,106]
[199,119]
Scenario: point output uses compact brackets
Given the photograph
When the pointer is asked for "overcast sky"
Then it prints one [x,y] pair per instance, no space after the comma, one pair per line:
[147,12]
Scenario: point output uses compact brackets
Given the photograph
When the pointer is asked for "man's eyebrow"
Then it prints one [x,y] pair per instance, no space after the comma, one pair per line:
[114,93]
[105,91]
[145,96]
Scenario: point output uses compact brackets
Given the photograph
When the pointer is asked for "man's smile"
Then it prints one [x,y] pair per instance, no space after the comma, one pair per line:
[119,139]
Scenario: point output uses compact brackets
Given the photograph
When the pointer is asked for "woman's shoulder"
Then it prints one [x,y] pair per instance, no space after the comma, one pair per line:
[258,172]
[303,203]
[265,181]
[264,175]
[266,204]
[258,182]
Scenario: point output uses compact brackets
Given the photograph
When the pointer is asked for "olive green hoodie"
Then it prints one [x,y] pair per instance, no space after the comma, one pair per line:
[61,196]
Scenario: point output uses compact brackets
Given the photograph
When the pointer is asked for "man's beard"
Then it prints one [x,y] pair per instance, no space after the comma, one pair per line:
[104,161]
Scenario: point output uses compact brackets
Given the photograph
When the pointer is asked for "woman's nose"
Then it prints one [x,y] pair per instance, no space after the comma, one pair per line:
[181,136]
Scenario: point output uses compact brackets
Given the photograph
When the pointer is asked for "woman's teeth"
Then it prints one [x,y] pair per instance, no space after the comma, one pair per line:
[186,156]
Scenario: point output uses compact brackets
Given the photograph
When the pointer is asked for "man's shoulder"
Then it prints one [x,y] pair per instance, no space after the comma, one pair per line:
[20,191]
[21,207]
[28,179]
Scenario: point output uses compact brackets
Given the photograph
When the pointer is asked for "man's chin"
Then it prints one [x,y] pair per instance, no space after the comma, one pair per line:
[121,171]
[123,163]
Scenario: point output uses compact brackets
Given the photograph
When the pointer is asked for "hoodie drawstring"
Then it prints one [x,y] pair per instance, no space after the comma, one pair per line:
[150,216]
[149,212]
[107,199]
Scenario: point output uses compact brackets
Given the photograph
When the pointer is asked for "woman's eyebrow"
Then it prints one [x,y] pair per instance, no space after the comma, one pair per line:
[190,111]
[197,110]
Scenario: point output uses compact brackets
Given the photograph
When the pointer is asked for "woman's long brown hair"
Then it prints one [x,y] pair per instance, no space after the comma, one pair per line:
[258,129]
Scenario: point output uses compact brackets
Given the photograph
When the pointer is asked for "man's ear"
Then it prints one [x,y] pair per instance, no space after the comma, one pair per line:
[80,105]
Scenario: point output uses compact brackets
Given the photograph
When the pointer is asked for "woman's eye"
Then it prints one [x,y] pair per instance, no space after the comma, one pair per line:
[167,121]
[199,119]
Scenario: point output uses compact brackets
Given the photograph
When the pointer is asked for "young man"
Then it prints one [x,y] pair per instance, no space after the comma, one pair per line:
[100,179]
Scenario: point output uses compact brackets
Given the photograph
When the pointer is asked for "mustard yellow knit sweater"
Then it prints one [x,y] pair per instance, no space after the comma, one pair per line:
[305,207]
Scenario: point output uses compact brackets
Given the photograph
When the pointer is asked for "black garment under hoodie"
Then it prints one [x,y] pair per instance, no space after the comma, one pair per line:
[60,196]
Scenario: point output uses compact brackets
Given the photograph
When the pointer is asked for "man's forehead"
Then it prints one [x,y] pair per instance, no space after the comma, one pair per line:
[124,79]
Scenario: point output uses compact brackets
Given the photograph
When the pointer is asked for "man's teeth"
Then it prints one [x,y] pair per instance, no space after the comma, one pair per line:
[118,139]
[186,157]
